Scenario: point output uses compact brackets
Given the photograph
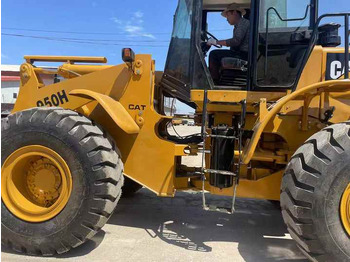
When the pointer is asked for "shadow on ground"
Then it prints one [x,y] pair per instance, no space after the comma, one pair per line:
[257,225]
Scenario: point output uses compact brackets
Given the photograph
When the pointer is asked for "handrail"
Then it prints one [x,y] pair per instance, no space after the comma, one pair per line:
[325,86]
[314,38]
[346,62]
[69,59]
[346,38]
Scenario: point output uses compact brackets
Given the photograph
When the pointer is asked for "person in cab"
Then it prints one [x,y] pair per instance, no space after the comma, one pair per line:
[239,43]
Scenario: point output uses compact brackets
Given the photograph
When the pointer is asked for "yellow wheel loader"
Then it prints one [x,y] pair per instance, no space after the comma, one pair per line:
[275,127]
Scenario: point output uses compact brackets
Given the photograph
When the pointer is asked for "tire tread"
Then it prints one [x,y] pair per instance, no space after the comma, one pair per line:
[298,186]
[106,166]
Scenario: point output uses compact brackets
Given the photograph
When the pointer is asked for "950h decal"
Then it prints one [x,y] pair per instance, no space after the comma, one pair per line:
[54,99]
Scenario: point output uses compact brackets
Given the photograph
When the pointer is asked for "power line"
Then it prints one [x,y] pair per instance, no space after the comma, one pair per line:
[77,41]
[102,40]
[75,32]
[89,33]
[116,40]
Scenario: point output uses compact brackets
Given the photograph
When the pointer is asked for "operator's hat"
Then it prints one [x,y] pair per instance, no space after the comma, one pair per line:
[233,7]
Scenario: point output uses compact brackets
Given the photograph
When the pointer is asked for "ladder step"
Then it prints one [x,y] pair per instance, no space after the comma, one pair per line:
[224,102]
[221,172]
[221,136]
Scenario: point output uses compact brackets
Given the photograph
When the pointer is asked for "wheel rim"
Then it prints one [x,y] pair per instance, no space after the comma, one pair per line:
[35,183]
[345,209]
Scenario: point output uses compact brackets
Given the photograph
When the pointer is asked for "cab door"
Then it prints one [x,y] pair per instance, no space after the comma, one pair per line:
[282,33]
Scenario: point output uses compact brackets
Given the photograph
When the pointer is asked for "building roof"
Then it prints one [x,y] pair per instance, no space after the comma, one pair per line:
[10,68]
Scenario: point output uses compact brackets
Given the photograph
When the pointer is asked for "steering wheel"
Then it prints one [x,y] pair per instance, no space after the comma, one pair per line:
[207,38]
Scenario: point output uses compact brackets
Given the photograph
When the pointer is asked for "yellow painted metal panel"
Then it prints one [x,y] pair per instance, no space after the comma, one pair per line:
[115,109]
[148,158]
[264,188]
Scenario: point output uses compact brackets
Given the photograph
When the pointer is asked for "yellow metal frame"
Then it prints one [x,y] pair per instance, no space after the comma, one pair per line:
[335,88]
[121,99]
[315,89]
[263,188]
[293,117]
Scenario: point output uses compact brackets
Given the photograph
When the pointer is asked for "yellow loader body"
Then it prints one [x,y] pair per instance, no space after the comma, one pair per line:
[121,99]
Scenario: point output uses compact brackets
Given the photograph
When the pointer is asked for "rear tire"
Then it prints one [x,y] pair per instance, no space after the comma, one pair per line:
[96,171]
[312,188]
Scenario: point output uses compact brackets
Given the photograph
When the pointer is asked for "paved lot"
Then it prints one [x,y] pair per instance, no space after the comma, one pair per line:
[148,228]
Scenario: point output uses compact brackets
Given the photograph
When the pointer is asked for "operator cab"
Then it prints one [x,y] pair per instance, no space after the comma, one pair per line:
[279,37]
[232,70]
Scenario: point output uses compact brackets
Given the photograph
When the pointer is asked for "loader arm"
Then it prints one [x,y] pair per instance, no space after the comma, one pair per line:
[34,92]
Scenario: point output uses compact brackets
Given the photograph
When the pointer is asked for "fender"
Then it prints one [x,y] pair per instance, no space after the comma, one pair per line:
[314,89]
[114,108]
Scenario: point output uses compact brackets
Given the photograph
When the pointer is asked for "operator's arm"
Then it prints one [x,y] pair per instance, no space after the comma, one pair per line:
[238,37]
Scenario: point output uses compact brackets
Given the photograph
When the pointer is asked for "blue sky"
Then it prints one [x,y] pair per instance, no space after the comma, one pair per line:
[144,25]
[120,20]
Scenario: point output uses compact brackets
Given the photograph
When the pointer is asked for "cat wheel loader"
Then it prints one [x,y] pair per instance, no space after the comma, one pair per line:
[275,127]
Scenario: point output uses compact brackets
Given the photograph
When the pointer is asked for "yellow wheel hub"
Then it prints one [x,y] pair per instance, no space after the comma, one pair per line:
[44,181]
[345,209]
[35,183]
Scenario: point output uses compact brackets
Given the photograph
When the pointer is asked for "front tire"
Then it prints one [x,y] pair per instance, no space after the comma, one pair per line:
[93,165]
[314,187]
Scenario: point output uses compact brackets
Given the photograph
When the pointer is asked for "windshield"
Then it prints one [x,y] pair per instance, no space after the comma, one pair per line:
[177,65]
[288,10]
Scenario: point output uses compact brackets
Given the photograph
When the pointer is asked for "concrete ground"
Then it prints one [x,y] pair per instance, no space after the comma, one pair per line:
[148,228]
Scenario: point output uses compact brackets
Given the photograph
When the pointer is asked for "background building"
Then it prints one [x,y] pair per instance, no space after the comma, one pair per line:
[10,82]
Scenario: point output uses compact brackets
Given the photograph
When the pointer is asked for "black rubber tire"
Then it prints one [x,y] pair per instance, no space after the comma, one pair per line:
[130,187]
[312,187]
[97,175]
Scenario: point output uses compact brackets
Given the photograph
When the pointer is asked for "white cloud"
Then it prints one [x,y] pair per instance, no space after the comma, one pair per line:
[138,14]
[3,55]
[116,20]
[149,35]
[134,26]
[133,29]
[136,30]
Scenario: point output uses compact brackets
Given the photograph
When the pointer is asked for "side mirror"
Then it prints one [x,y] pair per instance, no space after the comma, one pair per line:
[128,56]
